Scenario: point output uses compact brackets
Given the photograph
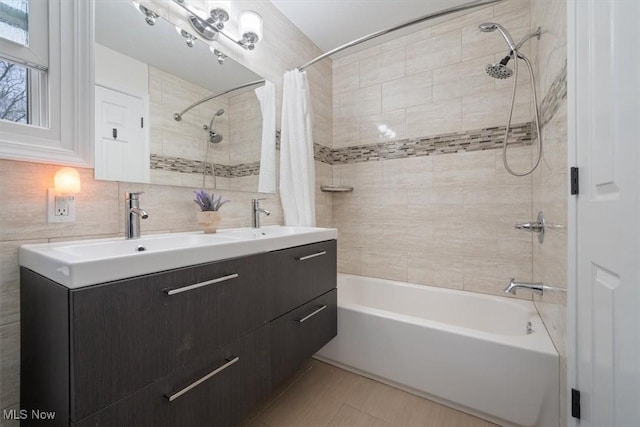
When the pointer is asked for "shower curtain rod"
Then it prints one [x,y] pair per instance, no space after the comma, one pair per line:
[178,116]
[356,42]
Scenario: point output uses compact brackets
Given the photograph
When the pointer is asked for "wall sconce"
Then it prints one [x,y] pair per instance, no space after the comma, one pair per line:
[212,24]
[61,199]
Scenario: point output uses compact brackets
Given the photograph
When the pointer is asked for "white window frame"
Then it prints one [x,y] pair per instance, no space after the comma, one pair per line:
[36,54]
[68,138]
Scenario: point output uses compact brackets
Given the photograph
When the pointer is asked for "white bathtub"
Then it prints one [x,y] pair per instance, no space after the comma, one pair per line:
[466,350]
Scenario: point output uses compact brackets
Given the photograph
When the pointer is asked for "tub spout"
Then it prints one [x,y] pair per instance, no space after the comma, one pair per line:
[536,288]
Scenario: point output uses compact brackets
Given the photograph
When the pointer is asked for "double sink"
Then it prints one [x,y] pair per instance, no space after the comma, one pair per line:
[89,262]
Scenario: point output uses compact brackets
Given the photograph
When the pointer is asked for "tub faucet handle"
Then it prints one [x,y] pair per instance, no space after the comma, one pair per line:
[529,226]
[535,227]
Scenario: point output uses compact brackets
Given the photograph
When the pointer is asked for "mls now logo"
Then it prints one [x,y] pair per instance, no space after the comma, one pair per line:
[23,414]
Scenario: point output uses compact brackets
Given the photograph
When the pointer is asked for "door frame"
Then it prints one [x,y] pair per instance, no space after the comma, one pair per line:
[572,213]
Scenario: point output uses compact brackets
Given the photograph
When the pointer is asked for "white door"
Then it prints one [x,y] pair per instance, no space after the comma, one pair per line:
[122,143]
[606,104]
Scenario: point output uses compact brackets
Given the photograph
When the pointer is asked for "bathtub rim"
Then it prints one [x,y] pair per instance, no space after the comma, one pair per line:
[539,342]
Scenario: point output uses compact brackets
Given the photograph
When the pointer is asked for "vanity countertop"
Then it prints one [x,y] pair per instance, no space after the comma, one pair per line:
[88,262]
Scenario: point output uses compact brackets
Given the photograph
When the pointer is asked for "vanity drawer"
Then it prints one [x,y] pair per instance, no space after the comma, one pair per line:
[128,334]
[299,334]
[220,390]
[300,274]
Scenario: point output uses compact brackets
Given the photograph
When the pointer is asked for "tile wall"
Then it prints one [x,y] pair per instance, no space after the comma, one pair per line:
[177,145]
[550,179]
[179,152]
[442,217]
[100,204]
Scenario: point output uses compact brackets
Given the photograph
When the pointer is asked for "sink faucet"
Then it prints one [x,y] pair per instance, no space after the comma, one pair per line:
[256,210]
[536,288]
[132,215]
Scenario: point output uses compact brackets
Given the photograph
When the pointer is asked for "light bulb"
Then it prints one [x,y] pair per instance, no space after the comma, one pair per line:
[250,26]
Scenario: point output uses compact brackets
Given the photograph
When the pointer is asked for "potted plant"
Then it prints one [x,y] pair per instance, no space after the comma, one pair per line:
[209,215]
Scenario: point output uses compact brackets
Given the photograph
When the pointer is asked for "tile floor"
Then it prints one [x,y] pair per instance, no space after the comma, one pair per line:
[321,395]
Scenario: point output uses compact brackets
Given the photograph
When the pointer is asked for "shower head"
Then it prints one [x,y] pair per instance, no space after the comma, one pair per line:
[215,137]
[488,27]
[500,70]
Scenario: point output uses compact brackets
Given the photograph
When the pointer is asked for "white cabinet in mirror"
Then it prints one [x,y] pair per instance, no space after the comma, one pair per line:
[144,75]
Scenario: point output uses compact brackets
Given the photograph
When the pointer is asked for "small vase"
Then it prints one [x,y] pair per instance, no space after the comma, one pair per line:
[209,220]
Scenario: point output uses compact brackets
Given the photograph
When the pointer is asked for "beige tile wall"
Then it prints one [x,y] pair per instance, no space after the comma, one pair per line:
[100,204]
[186,138]
[550,182]
[445,220]
[448,220]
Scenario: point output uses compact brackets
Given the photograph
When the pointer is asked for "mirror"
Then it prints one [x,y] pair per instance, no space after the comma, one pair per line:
[144,74]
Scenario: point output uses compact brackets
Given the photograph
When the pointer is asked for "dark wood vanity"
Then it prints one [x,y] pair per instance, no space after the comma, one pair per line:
[193,346]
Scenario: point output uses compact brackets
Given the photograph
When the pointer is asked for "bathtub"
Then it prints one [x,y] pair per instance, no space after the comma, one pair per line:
[486,355]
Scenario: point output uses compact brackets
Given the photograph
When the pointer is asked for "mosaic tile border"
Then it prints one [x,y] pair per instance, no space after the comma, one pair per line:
[182,165]
[555,96]
[474,140]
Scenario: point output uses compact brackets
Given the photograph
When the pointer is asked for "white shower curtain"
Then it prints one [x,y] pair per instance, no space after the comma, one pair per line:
[297,168]
[267,96]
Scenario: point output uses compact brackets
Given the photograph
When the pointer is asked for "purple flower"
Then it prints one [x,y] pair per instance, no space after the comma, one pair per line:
[208,202]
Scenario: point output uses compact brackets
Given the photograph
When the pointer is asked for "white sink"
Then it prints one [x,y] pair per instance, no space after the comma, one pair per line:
[89,262]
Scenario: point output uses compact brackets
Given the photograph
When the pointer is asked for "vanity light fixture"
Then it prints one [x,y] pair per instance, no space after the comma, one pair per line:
[149,15]
[211,23]
[61,198]
[189,38]
[221,56]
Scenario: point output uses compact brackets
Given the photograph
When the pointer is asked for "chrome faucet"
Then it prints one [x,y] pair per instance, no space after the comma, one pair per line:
[132,215]
[536,288]
[256,210]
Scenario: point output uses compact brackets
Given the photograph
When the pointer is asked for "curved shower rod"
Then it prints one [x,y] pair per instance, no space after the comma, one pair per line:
[178,116]
[471,5]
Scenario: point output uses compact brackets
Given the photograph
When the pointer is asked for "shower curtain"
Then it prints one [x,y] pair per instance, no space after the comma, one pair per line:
[267,96]
[297,168]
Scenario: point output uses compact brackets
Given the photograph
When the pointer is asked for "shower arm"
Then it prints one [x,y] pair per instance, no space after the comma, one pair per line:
[178,116]
[527,37]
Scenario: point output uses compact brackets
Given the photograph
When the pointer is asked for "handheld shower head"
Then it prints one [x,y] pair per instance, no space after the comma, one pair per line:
[488,27]
[219,112]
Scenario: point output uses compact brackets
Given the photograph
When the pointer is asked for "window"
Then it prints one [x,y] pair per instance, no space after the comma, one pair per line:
[46,51]
[23,61]
[14,21]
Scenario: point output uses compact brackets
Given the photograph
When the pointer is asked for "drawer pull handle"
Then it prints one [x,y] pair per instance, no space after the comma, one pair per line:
[302,258]
[230,361]
[201,284]
[310,315]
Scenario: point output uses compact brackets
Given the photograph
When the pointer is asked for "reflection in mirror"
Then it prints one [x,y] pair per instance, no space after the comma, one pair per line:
[147,73]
